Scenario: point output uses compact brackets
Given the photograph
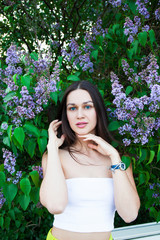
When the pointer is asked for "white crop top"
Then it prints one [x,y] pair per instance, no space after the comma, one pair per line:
[90,207]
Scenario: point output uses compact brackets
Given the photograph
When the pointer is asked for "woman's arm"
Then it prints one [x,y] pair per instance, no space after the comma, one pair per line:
[126,197]
[53,190]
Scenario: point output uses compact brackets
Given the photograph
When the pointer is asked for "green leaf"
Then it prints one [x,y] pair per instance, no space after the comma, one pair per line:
[2,167]
[6,8]
[35,178]
[10,191]
[144,177]
[9,96]
[73,78]
[60,59]
[34,56]
[143,154]
[19,135]
[54,96]
[30,147]
[15,78]
[129,89]
[94,54]
[158,217]
[24,201]
[132,6]
[1,222]
[126,160]
[42,143]
[32,129]
[44,133]
[153,212]
[25,186]
[9,131]
[18,223]
[112,46]
[158,153]
[135,47]
[11,213]
[2,179]
[6,141]
[7,221]
[152,36]
[152,154]
[115,27]
[142,38]
[113,126]
[34,195]
[26,80]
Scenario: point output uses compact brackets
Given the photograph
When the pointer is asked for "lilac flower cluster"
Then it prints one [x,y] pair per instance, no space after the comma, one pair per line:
[9,165]
[4,126]
[24,105]
[42,64]
[157,14]
[39,170]
[115,3]
[2,199]
[141,7]
[155,188]
[12,59]
[131,111]
[81,54]
[130,28]
[45,87]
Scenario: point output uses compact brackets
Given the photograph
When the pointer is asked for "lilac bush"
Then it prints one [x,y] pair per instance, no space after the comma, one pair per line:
[133,110]
[23,104]
[80,54]
[10,164]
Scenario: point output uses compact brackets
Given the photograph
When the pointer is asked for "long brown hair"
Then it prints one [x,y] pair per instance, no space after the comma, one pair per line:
[102,122]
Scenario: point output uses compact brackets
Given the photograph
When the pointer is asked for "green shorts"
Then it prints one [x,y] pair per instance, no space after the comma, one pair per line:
[51,237]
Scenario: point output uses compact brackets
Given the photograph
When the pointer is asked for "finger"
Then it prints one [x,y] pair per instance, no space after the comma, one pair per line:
[55,125]
[92,146]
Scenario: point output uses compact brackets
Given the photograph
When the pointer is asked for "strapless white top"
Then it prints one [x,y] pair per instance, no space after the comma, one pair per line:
[91,206]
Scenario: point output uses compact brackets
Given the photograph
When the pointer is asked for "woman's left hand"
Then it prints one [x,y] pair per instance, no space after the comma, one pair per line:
[100,145]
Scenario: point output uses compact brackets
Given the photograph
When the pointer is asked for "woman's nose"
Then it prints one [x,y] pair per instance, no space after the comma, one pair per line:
[80,113]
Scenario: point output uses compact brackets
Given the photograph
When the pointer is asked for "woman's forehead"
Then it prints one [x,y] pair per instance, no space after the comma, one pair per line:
[78,96]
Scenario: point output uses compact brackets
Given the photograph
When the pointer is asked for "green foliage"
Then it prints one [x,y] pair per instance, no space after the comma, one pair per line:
[28,23]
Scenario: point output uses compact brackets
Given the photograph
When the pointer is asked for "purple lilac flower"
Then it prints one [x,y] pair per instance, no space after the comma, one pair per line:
[157,14]
[115,3]
[17,177]
[2,199]
[146,28]
[126,142]
[142,8]
[39,170]
[9,161]
[80,54]
[139,127]
[131,29]
[45,87]
[41,64]
[12,56]
[125,7]
[9,165]
[4,126]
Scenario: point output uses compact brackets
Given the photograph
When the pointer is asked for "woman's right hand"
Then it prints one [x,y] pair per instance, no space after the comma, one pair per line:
[52,133]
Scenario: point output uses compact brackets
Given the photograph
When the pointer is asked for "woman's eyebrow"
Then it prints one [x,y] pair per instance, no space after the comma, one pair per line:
[73,104]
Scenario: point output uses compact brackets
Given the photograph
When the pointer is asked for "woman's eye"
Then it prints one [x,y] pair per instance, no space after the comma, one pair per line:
[87,107]
[72,108]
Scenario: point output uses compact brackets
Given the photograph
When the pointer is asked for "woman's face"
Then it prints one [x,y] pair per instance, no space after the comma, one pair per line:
[81,113]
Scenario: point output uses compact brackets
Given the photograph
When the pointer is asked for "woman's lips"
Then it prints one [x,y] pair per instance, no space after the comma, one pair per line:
[81,124]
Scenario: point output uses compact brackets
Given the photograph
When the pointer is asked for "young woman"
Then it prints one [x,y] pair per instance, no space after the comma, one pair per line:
[84,179]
